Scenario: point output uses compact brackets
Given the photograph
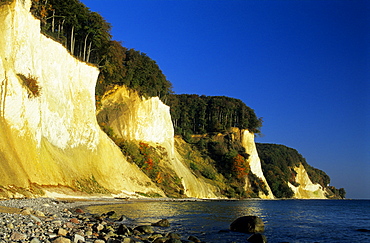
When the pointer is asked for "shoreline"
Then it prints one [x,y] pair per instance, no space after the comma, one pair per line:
[49,220]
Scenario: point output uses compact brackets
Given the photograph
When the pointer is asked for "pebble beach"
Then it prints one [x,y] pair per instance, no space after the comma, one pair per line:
[63,221]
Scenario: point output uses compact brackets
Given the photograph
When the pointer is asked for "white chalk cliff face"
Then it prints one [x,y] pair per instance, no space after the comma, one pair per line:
[52,138]
[247,139]
[149,120]
[306,188]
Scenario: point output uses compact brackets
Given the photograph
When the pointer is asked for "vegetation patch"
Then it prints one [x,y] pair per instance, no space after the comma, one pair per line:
[90,186]
[31,83]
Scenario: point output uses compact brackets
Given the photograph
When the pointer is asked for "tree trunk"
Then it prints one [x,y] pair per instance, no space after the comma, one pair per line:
[84,56]
[72,41]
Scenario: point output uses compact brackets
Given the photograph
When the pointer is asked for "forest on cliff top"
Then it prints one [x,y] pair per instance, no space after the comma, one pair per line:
[86,35]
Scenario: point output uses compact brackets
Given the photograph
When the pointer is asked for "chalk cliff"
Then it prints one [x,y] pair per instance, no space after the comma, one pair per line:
[306,188]
[49,135]
[148,120]
[247,139]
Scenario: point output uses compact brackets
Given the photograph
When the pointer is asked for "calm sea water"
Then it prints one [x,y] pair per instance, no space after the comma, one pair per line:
[285,220]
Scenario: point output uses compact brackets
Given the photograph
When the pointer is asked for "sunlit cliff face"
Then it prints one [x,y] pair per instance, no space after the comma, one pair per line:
[49,133]
[247,139]
[306,188]
[149,120]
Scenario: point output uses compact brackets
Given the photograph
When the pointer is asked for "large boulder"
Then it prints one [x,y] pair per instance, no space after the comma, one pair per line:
[257,238]
[248,224]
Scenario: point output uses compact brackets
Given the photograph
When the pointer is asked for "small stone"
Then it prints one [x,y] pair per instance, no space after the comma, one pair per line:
[127,240]
[78,238]
[173,241]
[69,225]
[194,239]
[39,213]
[61,240]
[98,227]
[35,240]
[26,211]
[123,230]
[36,219]
[62,232]
[74,220]
[257,238]
[147,229]
[10,226]
[79,210]
[161,240]
[173,235]
[162,223]
[99,241]
[18,236]
[57,222]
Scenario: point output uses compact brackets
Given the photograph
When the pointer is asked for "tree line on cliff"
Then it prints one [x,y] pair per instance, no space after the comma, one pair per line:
[86,34]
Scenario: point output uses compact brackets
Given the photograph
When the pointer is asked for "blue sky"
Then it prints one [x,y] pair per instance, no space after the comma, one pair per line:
[301,65]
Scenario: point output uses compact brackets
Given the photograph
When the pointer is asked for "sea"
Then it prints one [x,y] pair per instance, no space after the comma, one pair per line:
[285,220]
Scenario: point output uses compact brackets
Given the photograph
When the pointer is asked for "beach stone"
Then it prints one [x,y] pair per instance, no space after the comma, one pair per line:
[123,230]
[61,240]
[127,240]
[36,219]
[18,236]
[98,227]
[74,220]
[172,235]
[79,210]
[78,238]
[39,213]
[257,238]
[162,223]
[99,241]
[160,240]
[194,239]
[26,211]
[147,229]
[35,240]
[248,224]
[62,232]
[172,240]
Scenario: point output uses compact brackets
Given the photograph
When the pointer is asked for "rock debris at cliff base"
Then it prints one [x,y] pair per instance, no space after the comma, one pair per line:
[49,220]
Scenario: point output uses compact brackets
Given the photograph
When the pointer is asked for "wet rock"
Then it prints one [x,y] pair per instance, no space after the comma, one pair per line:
[124,230]
[160,240]
[172,235]
[162,223]
[147,229]
[173,241]
[248,224]
[194,239]
[257,238]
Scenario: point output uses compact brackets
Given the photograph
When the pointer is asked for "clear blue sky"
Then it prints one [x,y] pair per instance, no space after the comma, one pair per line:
[301,65]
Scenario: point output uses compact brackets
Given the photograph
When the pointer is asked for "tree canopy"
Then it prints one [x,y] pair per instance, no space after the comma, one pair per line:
[196,114]
[86,35]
